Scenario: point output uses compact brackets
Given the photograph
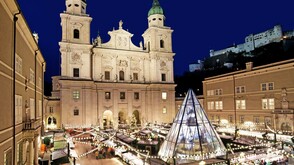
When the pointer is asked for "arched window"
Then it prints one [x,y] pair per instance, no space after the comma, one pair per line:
[49,120]
[121,75]
[76,34]
[161,44]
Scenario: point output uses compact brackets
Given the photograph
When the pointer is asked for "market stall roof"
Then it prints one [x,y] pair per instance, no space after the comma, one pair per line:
[191,134]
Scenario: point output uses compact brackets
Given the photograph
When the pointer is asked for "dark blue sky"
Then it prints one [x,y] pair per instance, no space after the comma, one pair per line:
[198,25]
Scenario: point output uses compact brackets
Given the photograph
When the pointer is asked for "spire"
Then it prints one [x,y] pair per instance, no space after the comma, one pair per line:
[155,9]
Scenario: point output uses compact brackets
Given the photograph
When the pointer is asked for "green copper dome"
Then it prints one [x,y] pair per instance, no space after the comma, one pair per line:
[156,8]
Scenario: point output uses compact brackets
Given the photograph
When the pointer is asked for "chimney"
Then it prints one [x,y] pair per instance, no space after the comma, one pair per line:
[249,66]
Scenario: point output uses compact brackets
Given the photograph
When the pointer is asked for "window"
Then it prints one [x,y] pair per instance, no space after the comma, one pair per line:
[218,92]
[161,44]
[231,118]
[122,95]
[18,109]
[76,33]
[271,86]
[210,92]
[18,64]
[263,87]
[268,103]
[76,112]
[256,119]
[242,117]
[219,105]
[32,76]
[8,157]
[163,77]
[51,110]
[240,89]
[76,72]
[76,95]
[267,86]
[210,105]
[164,95]
[121,75]
[32,108]
[240,104]
[136,96]
[107,95]
[164,110]
[40,108]
[107,75]
[135,76]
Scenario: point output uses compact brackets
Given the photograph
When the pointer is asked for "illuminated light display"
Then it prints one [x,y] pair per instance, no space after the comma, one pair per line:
[191,134]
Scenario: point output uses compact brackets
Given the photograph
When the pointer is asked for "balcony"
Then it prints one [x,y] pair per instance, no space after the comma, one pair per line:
[283,111]
[31,124]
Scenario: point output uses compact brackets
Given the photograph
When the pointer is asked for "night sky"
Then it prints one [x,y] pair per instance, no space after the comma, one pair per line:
[198,25]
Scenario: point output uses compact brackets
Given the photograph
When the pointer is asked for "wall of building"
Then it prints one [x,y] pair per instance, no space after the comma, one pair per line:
[26,87]
[277,75]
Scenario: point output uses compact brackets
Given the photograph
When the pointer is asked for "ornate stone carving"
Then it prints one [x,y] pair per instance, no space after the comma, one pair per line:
[76,58]
[123,63]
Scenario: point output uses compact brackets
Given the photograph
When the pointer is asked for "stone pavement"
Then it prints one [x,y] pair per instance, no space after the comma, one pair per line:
[90,159]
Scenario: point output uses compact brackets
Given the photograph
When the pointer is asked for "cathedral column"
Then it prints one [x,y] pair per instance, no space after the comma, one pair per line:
[36,148]
[31,152]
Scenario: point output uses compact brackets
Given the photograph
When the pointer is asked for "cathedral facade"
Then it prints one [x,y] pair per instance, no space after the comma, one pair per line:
[115,82]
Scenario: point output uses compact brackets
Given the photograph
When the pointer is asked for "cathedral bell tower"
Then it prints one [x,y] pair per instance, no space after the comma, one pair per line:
[75,47]
[158,42]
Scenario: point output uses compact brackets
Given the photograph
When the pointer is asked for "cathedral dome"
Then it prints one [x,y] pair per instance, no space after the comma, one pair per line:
[156,8]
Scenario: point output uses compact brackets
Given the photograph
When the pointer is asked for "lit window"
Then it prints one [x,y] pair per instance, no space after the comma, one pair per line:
[210,92]
[163,77]
[240,104]
[76,33]
[210,105]
[76,112]
[107,95]
[76,94]
[76,72]
[268,103]
[164,95]
[107,75]
[122,95]
[136,96]
[219,105]
[135,76]
[164,110]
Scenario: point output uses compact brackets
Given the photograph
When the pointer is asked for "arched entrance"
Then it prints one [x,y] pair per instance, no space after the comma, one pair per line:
[51,122]
[285,126]
[107,119]
[121,117]
[136,118]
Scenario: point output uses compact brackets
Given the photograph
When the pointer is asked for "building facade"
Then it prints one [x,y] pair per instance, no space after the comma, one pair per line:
[115,82]
[22,68]
[255,97]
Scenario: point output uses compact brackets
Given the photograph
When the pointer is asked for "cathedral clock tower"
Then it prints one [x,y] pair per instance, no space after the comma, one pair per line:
[75,47]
